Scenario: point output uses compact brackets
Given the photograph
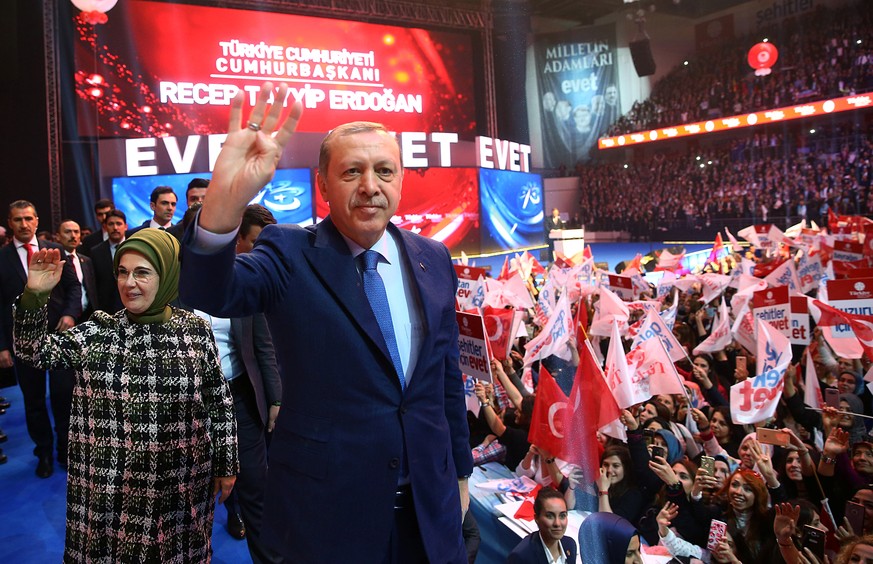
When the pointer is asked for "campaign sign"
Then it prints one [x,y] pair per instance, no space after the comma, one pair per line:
[852,295]
[621,286]
[468,281]
[763,232]
[809,271]
[772,305]
[473,346]
[848,251]
[800,333]
[755,398]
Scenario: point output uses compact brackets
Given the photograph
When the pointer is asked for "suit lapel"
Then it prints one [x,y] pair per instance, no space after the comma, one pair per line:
[421,266]
[16,261]
[333,264]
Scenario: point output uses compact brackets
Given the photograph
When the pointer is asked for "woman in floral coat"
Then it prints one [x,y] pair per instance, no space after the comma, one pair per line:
[152,430]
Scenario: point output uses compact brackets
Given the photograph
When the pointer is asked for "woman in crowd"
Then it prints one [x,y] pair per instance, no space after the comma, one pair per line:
[605,537]
[616,491]
[152,431]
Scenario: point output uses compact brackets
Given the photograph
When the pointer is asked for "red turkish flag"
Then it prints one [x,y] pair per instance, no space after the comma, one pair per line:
[547,422]
[498,326]
[862,325]
[591,407]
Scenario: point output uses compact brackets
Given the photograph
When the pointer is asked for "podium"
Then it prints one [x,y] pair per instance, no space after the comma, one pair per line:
[568,242]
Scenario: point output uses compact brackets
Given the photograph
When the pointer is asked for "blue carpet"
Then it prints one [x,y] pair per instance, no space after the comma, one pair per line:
[32,510]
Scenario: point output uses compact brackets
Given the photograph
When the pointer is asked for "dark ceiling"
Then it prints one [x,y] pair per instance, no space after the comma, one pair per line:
[586,12]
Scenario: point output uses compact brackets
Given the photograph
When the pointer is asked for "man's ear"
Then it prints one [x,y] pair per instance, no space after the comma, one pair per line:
[322,185]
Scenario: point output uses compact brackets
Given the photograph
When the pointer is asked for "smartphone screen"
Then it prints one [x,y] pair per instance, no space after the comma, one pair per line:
[814,540]
[741,363]
[658,451]
[855,516]
[772,436]
[707,463]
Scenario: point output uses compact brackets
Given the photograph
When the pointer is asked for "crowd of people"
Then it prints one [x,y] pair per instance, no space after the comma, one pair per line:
[825,53]
[759,179]
[686,462]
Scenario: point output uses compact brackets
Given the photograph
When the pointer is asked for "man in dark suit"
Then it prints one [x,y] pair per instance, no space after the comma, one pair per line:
[248,361]
[163,204]
[101,208]
[103,256]
[548,544]
[68,236]
[64,307]
[194,196]
[373,423]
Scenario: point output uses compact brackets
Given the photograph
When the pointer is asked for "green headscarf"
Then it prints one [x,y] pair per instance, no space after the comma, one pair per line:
[161,250]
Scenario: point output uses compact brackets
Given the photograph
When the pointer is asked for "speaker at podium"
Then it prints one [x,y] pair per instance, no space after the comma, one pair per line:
[568,242]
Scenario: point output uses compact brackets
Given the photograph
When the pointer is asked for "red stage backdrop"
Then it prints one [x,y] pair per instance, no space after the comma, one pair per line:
[160,69]
[438,203]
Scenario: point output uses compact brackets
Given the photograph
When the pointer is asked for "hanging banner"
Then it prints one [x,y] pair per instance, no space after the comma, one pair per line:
[158,69]
[578,85]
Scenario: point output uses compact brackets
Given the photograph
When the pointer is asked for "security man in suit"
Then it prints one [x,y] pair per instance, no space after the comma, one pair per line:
[65,306]
[68,236]
[101,208]
[248,361]
[103,256]
[162,202]
[373,424]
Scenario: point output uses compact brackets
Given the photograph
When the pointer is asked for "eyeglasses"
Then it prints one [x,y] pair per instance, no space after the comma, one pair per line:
[138,274]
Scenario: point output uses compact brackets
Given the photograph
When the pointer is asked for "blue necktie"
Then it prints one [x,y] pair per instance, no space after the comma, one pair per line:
[378,298]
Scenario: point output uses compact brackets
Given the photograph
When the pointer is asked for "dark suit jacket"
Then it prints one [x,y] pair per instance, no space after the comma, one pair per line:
[104,274]
[65,299]
[177,230]
[530,550]
[255,345]
[89,286]
[130,232]
[90,242]
[345,421]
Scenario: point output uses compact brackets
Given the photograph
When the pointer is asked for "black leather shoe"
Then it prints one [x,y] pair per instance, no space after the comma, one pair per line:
[45,467]
[235,526]
[4,404]
[2,458]
[3,436]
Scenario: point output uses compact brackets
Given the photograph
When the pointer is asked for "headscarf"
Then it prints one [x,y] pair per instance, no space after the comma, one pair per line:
[603,537]
[859,381]
[858,432]
[162,251]
[766,449]
[674,450]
